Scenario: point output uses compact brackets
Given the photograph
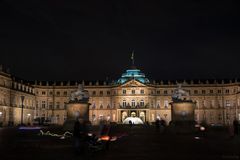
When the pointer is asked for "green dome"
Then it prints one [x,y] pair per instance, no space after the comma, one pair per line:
[133,74]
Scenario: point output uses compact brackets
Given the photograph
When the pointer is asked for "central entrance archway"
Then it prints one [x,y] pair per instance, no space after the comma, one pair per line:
[133,120]
[133,114]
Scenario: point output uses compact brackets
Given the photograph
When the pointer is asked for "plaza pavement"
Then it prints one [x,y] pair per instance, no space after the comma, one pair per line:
[136,143]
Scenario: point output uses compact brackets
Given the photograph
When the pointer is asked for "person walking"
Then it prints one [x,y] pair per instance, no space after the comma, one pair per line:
[235,127]
[157,124]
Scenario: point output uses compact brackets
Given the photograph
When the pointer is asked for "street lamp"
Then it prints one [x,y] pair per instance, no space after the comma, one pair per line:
[28,118]
[1,119]
[22,98]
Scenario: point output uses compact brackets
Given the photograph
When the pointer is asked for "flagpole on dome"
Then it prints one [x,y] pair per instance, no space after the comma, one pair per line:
[132,58]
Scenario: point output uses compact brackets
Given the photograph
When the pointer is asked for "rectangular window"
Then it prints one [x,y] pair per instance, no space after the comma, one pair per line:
[158,92]
[124,91]
[219,91]
[195,91]
[50,105]
[142,91]
[43,104]
[133,91]
[227,91]
[65,93]
[94,93]
[203,92]
[101,93]
[108,92]
[43,93]
[50,93]
[228,104]
[58,105]
[58,93]
[211,91]
[165,92]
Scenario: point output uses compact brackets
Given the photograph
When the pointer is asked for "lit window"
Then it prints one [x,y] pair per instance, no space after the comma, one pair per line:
[228,104]
[94,106]
[133,103]
[166,103]
[124,103]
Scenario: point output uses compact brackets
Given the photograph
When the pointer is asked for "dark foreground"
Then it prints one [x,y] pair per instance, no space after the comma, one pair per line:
[138,143]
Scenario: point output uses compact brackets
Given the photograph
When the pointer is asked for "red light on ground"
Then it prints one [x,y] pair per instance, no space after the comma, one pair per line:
[105,138]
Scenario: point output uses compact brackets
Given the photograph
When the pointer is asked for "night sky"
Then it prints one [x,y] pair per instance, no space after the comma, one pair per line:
[92,40]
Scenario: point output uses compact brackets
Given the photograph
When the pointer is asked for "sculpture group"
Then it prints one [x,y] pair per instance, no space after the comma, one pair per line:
[79,95]
[179,94]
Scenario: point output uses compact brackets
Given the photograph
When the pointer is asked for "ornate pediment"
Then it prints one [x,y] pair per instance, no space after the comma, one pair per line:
[133,83]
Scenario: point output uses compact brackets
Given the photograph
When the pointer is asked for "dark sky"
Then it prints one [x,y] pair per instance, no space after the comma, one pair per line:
[92,40]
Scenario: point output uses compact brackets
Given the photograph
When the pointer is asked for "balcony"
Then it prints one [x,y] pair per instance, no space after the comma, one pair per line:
[134,107]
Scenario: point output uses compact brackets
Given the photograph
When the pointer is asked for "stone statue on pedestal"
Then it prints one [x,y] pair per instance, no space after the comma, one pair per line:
[77,108]
[79,95]
[179,93]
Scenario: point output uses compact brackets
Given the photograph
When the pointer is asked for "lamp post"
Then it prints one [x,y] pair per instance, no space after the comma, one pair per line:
[1,119]
[22,98]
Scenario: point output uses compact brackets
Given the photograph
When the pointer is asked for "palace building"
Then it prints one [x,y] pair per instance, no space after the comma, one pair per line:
[133,94]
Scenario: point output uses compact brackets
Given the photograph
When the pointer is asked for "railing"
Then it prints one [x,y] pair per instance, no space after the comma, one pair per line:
[134,107]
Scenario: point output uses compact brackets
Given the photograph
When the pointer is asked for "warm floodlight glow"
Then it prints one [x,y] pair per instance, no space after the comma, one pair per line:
[202,128]
[134,120]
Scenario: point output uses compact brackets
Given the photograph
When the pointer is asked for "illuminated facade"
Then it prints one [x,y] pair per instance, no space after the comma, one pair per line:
[132,94]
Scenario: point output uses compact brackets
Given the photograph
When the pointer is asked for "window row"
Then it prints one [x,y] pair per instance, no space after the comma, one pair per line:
[57,93]
[50,105]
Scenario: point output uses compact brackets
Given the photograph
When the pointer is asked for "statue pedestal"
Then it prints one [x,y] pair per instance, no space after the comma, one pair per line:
[76,110]
[183,116]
